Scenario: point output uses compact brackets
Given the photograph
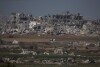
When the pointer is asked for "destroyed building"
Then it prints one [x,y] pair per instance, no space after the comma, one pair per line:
[18,23]
[58,24]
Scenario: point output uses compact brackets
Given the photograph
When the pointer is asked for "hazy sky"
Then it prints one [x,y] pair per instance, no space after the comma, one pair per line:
[88,8]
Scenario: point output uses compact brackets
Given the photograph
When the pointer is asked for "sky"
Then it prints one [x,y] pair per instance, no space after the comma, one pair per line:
[88,8]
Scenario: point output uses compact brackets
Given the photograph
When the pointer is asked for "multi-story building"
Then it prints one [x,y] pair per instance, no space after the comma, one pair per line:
[65,23]
[18,22]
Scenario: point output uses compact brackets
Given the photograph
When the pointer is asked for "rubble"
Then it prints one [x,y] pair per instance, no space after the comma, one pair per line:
[58,24]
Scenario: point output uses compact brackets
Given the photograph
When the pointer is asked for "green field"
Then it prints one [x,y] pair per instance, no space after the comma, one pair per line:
[52,65]
[77,65]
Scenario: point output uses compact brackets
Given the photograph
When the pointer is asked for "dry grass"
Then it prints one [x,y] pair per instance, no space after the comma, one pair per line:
[46,38]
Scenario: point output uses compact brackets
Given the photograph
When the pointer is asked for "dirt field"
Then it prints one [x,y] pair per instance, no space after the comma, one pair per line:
[35,38]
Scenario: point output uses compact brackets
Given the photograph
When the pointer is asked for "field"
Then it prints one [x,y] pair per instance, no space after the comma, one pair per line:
[46,39]
[48,65]
[78,65]
[43,38]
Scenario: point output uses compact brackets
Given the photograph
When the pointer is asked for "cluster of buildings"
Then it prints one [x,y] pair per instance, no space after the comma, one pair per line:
[64,23]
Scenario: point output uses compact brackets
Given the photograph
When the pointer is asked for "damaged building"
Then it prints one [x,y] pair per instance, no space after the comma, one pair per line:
[58,24]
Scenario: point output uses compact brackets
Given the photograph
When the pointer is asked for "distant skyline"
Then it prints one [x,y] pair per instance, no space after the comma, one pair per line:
[90,9]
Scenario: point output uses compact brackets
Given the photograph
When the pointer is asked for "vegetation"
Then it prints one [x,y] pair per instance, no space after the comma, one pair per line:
[7,64]
[52,65]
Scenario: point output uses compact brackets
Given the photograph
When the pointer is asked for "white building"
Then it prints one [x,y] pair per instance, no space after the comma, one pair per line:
[32,24]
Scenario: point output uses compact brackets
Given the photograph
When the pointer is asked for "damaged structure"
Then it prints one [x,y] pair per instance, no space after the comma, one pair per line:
[58,24]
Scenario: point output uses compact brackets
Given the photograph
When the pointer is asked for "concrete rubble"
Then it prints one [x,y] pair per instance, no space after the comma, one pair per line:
[58,24]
